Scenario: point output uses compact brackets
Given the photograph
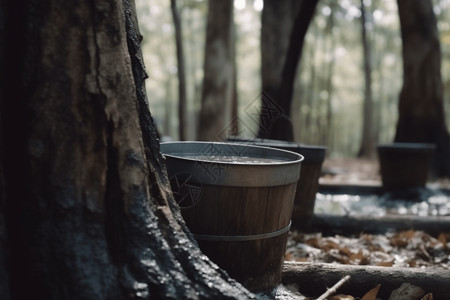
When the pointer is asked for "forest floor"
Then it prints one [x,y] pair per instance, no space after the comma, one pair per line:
[406,249]
[350,171]
[394,249]
[359,171]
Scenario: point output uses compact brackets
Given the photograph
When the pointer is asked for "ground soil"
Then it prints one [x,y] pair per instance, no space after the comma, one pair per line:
[350,171]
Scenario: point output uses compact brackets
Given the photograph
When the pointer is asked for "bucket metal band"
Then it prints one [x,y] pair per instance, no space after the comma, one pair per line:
[239,238]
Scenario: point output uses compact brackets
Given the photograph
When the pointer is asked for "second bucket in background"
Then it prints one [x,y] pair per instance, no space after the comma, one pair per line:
[310,172]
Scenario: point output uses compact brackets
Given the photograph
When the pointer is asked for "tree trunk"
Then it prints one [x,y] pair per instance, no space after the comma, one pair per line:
[367,148]
[88,209]
[421,107]
[234,129]
[167,128]
[277,19]
[275,112]
[218,75]
[312,88]
[182,96]
[329,86]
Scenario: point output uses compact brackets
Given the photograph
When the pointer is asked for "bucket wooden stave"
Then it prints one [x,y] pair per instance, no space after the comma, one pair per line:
[239,223]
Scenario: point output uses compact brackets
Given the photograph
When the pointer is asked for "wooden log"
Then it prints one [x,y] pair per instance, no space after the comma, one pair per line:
[332,224]
[313,279]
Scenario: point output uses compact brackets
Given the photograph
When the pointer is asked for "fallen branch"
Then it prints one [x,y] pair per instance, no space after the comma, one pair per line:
[332,224]
[311,278]
[334,289]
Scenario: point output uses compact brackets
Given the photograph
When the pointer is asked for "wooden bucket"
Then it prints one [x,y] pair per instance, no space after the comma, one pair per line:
[238,211]
[308,185]
[405,165]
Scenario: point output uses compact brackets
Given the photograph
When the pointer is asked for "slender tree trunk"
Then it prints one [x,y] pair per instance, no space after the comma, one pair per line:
[312,89]
[275,114]
[168,107]
[217,81]
[367,148]
[329,81]
[234,130]
[421,106]
[86,198]
[277,21]
[182,95]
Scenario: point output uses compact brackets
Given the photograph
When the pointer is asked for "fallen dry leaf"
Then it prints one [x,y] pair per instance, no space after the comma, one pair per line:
[385,264]
[407,292]
[372,294]
[428,296]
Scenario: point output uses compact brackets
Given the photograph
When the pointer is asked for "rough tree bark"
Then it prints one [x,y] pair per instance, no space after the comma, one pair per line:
[84,190]
[421,106]
[182,96]
[276,109]
[218,75]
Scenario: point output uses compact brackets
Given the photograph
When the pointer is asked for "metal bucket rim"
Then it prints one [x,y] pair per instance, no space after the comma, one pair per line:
[311,153]
[256,141]
[296,157]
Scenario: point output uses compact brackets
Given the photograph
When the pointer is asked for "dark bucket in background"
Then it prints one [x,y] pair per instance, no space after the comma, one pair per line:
[308,184]
[237,201]
[405,165]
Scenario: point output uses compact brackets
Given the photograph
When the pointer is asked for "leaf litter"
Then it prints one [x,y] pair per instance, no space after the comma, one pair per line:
[415,249]
[400,249]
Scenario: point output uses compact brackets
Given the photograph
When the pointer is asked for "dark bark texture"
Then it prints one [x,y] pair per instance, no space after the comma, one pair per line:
[84,191]
[275,112]
[421,107]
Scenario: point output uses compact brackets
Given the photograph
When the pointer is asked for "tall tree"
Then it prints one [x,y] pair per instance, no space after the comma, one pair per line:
[84,191]
[276,109]
[367,148]
[182,95]
[277,19]
[218,71]
[329,87]
[234,129]
[421,106]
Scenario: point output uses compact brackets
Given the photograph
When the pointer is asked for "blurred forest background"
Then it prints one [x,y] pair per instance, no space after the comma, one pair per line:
[329,88]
